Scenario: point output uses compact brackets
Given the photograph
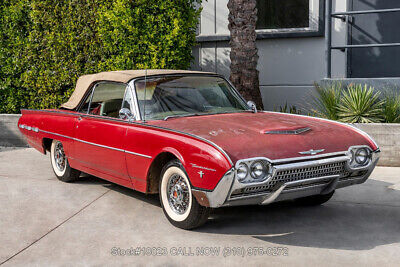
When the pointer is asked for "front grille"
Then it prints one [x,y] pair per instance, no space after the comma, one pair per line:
[285,176]
[309,172]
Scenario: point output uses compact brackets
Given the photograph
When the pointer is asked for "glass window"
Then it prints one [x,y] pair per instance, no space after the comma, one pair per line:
[127,100]
[281,14]
[105,100]
[84,108]
[175,96]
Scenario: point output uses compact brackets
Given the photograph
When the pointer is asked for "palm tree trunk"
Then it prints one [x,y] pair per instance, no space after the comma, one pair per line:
[244,53]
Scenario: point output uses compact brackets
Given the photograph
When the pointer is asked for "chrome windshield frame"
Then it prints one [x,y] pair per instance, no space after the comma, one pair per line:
[139,116]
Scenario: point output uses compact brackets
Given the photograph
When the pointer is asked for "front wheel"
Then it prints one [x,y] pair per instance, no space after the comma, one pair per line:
[59,162]
[179,205]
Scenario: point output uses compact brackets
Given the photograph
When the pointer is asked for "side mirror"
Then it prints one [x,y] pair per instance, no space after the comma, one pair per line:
[126,114]
[252,105]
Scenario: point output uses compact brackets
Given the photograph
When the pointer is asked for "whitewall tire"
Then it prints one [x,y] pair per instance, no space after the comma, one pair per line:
[59,162]
[179,205]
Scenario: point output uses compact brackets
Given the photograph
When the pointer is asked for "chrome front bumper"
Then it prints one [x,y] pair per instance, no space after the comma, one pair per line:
[226,192]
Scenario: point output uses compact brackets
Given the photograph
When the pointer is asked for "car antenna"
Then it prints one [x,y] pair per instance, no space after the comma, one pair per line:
[144,102]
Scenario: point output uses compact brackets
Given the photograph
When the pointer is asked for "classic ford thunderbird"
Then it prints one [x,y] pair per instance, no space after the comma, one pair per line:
[191,138]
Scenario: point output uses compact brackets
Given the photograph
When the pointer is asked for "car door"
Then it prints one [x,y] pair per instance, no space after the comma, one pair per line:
[141,142]
[100,133]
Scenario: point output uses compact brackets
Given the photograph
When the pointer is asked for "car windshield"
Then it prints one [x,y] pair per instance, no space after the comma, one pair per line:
[181,96]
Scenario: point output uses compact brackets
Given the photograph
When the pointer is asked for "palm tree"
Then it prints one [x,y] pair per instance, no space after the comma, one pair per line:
[244,53]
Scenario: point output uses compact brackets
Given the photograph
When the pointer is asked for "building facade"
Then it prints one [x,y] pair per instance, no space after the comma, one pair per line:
[293,40]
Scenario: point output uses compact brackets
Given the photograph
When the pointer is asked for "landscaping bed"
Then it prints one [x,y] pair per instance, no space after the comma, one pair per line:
[387,135]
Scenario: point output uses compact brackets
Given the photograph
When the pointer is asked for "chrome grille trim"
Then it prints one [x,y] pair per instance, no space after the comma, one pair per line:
[309,172]
[298,175]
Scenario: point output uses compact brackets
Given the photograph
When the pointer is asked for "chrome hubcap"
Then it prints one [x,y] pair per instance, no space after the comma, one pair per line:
[178,194]
[59,157]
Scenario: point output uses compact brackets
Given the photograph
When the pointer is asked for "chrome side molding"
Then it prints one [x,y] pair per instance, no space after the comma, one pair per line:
[29,128]
[35,129]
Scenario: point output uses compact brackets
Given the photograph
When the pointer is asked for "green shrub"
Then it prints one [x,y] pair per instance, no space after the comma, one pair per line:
[355,104]
[391,108]
[15,24]
[360,104]
[292,109]
[326,103]
[45,45]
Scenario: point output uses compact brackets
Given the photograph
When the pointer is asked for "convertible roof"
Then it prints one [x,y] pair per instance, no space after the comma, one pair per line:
[85,82]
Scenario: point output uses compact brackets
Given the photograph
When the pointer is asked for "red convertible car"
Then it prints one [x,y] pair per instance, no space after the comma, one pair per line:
[191,138]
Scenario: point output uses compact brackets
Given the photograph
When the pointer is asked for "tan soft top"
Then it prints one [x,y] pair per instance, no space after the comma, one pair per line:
[85,82]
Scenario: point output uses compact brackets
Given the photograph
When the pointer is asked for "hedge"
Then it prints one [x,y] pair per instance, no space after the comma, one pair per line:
[45,45]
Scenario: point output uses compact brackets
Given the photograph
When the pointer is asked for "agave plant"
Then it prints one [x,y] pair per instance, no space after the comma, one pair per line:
[360,104]
[391,108]
[326,103]
[289,109]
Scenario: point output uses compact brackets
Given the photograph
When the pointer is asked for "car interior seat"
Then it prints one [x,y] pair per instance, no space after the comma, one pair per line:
[110,108]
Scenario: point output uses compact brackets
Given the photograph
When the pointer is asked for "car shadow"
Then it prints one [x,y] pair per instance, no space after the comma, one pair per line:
[89,179]
[338,224]
[151,199]
[335,225]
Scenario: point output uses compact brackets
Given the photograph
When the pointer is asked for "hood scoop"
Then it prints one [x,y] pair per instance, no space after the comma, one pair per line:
[286,131]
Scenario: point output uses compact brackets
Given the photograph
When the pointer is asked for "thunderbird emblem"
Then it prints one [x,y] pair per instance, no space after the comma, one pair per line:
[312,152]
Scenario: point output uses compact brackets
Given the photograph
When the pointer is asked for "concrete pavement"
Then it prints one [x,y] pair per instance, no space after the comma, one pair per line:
[47,222]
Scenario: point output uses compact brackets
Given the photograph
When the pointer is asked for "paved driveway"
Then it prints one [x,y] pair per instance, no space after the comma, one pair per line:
[47,222]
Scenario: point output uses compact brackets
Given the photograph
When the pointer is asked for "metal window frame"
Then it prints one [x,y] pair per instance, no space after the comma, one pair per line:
[313,27]
[91,93]
[276,33]
[346,17]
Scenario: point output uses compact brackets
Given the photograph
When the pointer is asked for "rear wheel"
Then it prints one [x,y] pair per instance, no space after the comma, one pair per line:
[59,162]
[179,205]
[316,199]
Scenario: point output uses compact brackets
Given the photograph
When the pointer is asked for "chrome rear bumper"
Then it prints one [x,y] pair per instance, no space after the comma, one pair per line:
[229,192]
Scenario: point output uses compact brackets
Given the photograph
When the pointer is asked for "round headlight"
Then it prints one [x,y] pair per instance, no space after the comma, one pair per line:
[361,156]
[242,172]
[259,169]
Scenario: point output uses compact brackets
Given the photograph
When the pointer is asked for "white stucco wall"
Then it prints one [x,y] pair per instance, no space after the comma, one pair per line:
[288,66]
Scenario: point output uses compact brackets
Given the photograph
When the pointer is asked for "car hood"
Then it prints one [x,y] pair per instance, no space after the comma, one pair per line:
[243,135]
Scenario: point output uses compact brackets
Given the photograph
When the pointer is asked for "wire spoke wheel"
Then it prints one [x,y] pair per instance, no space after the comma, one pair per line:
[178,194]
[179,205]
[60,164]
[59,157]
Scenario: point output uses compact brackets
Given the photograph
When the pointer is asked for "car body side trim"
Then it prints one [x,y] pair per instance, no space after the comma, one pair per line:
[95,144]
[137,154]
[61,135]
